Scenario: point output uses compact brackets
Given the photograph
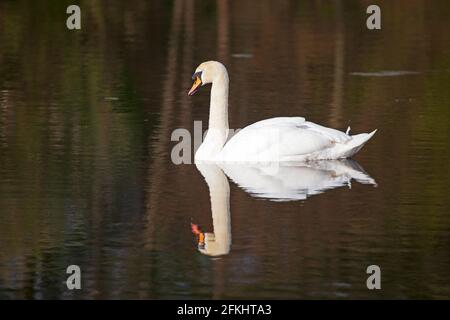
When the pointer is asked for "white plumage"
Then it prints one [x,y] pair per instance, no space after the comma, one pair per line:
[290,139]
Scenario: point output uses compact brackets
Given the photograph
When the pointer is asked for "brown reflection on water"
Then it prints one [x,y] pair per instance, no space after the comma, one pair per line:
[85,125]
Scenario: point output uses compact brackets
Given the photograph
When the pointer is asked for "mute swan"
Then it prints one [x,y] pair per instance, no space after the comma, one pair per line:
[287,183]
[270,140]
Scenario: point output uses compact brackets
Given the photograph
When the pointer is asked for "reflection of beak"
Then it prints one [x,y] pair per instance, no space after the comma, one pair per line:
[195,86]
[200,235]
[201,240]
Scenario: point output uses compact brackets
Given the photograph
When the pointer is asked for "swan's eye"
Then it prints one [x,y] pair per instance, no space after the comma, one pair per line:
[197,75]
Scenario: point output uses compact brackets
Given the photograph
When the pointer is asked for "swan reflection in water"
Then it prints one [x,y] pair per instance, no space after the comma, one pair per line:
[283,182]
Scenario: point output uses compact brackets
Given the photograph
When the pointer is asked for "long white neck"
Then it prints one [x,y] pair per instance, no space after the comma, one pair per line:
[218,120]
[218,107]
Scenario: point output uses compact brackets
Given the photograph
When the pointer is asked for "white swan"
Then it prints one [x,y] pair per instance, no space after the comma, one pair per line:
[271,140]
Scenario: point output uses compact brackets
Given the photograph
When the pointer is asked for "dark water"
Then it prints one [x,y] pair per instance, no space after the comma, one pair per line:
[85,171]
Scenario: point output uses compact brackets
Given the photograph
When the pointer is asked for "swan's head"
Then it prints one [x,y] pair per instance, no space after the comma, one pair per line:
[207,72]
[207,243]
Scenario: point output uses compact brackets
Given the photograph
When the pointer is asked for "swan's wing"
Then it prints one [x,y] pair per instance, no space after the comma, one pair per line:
[278,138]
[332,134]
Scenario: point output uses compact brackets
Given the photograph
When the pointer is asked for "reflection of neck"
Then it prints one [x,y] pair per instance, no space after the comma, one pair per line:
[219,191]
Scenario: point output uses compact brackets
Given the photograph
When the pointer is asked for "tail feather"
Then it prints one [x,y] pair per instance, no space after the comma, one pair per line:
[357,142]
[362,138]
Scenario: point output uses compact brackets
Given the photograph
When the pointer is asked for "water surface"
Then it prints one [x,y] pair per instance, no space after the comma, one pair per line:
[85,171]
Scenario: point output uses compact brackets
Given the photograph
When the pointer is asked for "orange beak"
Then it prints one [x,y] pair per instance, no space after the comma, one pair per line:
[195,86]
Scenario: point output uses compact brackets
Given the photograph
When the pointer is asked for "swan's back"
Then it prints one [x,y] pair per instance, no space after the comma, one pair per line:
[288,139]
